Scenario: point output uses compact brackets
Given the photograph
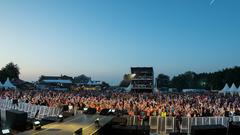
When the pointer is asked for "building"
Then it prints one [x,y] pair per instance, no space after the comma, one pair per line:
[142,79]
[54,83]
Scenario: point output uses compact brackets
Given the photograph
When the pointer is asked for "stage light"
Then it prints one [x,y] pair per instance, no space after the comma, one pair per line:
[60,118]
[6,132]
[36,122]
[37,125]
[113,110]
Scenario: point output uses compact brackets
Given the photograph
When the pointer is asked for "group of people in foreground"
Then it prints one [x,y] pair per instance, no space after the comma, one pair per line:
[148,104]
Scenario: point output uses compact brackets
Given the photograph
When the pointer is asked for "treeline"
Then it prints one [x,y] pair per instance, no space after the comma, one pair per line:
[10,71]
[209,81]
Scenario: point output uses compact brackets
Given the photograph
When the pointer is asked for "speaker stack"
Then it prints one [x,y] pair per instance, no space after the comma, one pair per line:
[91,111]
[122,121]
[178,134]
[130,130]
[104,112]
[209,130]
[234,128]
[16,120]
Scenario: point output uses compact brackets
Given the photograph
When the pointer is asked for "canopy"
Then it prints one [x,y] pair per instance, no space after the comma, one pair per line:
[225,89]
[8,85]
[233,89]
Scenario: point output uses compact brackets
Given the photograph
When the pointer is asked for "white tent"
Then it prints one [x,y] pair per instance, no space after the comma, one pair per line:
[233,89]
[8,85]
[225,89]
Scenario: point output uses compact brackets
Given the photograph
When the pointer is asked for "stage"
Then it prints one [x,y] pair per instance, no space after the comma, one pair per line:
[70,125]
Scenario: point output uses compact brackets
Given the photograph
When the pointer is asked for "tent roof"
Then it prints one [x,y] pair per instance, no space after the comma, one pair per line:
[8,84]
[233,88]
[226,88]
[238,90]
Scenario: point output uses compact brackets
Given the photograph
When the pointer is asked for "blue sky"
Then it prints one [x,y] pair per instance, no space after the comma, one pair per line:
[104,38]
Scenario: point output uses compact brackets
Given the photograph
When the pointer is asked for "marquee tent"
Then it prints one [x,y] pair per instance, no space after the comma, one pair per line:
[225,89]
[8,85]
[233,89]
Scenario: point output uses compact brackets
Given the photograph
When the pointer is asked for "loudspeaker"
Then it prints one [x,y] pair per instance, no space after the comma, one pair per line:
[119,121]
[143,130]
[78,132]
[91,111]
[124,130]
[178,134]
[209,130]
[234,128]
[16,120]
[104,112]
[130,130]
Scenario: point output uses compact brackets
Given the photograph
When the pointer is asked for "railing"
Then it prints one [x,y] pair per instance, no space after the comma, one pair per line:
[44,111]
[166,125]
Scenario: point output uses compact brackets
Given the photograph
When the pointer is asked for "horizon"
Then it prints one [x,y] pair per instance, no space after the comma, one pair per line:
[105,39]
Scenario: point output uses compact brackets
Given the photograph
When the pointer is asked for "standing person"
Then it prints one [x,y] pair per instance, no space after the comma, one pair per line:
[178,122]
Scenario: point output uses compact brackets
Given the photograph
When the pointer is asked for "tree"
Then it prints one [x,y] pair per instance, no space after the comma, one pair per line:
[185,81]
[163,81]
[10,71]
[82,79]
[105,85]
[210,81]
[126,80]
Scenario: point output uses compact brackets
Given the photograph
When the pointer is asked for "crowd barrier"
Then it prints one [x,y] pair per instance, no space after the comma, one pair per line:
[166,125]
[31,109]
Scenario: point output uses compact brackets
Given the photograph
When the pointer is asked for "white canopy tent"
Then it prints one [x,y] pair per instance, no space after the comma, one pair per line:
[233,89]
[8,85]
[225,89]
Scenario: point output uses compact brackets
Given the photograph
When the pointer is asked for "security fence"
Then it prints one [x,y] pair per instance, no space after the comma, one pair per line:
[31,109]
[160,124]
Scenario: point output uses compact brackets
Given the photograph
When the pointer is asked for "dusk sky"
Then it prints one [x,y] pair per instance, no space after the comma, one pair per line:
[104,38]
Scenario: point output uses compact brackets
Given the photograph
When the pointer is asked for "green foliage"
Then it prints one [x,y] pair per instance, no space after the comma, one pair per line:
[216,80]
[163,81]
[126,80]
[10,71]
[81,79]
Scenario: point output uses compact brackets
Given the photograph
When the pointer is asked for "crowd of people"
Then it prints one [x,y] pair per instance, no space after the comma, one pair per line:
[149,104]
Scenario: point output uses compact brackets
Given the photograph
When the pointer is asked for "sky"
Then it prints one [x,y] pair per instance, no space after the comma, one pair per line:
[104,38]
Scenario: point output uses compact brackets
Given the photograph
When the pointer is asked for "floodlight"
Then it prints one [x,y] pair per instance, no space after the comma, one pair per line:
[60,118]
[5,131]
[37,125]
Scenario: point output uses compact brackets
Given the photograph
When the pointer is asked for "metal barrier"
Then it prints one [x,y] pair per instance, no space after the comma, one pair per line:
[44,111]
[166,125]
